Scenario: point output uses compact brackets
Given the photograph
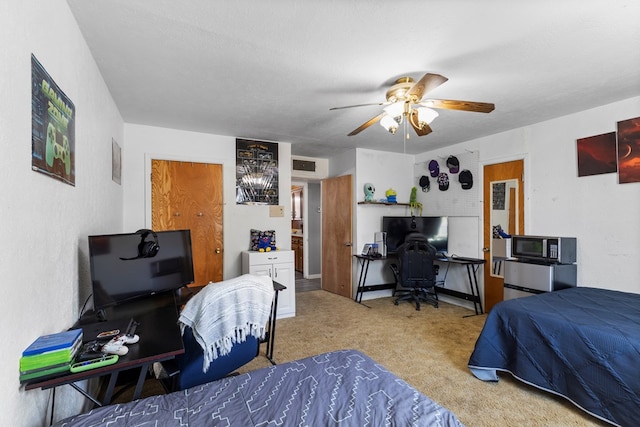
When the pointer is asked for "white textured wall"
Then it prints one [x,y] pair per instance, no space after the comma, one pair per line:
[45,223]
[147,142]
[601,213]
[383,170]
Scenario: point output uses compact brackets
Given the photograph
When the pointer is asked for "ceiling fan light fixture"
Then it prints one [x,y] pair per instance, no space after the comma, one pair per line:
[389,124]
[404,100]
[426,115]
[395,110]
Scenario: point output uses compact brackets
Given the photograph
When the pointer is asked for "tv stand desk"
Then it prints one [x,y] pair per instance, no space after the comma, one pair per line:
[472,265]
[160,340]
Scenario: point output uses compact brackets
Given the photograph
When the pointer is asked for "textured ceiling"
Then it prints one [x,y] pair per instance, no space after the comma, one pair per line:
[270,70]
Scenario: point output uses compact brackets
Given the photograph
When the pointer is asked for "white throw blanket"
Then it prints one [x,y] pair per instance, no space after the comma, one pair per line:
[226,312]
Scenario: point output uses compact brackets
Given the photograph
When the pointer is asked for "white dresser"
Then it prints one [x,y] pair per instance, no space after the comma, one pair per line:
[280,266]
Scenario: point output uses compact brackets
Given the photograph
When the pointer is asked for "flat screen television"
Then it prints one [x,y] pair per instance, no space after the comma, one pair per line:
[434,228]
[120,271]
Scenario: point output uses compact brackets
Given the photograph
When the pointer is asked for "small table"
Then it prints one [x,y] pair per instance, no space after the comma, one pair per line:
[160,340]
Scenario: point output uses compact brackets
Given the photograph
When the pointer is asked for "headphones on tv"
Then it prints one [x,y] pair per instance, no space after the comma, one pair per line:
[146,248]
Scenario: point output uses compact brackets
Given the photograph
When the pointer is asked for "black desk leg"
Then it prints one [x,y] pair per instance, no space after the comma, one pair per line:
[112,384]
[272,329]
[364,269]
[85,394]
[144,369]
[475,291]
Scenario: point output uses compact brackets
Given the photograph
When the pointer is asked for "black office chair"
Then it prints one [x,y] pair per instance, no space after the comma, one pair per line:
[415,273]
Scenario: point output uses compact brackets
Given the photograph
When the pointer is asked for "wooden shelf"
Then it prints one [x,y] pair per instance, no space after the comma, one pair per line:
[383,203]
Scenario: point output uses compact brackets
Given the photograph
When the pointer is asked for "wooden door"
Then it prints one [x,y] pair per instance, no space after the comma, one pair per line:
[494,286]
[337,201]
[187,195]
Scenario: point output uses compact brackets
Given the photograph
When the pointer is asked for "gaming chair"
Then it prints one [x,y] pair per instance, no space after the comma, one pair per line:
[415,272]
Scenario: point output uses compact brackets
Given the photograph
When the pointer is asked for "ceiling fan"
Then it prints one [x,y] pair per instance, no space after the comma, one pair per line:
[404,100]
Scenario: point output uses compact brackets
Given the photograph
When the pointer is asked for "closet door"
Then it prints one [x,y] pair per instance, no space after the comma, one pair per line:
[188,195]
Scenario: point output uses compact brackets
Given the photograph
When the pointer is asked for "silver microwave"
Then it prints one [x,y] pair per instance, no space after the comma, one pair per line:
[561,250]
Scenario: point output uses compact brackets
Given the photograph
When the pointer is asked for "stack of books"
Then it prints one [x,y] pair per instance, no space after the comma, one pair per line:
[50,354]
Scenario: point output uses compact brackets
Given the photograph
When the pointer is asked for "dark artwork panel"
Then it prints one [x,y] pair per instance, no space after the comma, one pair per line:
[256,172]
[53,135]
[629,151]
[499,194]
[597,154]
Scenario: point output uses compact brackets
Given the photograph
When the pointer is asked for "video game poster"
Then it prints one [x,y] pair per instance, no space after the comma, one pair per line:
[256,172]
[52,127]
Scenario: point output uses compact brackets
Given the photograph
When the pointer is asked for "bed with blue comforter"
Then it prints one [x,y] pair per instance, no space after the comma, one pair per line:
[580,343]
[344,387]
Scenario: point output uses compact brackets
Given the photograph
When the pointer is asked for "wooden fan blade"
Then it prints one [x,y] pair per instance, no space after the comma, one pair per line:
[450,104]
[367,124]
[427,83]
[425,130]
[358,105]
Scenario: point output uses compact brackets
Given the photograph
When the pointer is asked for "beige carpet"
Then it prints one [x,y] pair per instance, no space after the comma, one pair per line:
[429,349]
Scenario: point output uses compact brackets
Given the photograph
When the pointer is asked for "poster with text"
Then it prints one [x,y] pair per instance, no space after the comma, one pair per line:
[256,172]
[52,127]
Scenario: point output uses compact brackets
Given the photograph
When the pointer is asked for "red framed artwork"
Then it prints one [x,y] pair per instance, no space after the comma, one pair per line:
[597,154]
[629,151]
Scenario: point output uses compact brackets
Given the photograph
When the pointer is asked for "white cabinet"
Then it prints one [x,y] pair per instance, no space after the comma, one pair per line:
[280,266]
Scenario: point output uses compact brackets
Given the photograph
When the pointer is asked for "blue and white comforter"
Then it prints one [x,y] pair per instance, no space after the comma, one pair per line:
[580,343]
[339,388]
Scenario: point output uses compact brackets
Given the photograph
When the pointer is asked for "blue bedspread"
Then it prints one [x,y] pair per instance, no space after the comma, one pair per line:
[580,343]
[345,388]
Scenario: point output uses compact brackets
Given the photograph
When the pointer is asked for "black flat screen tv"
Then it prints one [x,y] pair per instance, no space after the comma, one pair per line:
[435,228]
[119,274]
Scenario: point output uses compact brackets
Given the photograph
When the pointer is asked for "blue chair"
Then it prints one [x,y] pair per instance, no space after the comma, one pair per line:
[221,313]
[186,369]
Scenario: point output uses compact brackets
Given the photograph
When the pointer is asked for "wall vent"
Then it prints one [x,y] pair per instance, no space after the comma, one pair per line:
[304,165]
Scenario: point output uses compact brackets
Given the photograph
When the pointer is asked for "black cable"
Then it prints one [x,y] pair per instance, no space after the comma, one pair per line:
[83,306]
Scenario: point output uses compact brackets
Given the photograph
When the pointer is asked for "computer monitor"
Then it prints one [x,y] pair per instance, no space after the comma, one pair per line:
[434,228]
[122,269]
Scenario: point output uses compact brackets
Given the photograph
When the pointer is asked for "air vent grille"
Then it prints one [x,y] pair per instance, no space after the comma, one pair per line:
[304,165]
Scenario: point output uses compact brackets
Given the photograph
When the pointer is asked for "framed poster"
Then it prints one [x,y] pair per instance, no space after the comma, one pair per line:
[256,172]
[597,154]
[52,127]
[629,151]
[499,196]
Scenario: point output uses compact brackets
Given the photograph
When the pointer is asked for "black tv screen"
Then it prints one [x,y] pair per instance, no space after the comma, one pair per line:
[117,278]
[434,228]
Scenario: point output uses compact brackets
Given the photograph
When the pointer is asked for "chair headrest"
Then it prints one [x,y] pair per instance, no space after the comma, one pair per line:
[415,237]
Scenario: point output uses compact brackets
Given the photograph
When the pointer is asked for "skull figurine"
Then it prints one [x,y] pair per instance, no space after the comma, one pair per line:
[369,189]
